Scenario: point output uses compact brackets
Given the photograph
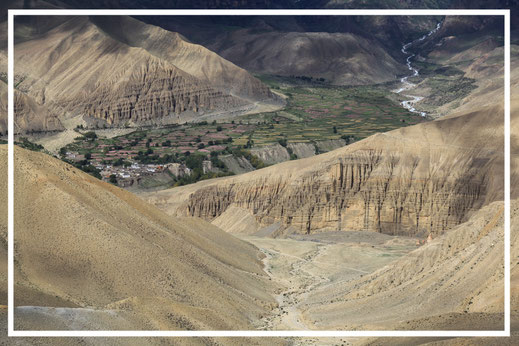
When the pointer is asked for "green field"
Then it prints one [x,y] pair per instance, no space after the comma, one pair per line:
[319,112]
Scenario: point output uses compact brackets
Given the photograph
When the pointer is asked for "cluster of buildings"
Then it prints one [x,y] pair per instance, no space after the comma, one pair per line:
[136,170]
[130,175]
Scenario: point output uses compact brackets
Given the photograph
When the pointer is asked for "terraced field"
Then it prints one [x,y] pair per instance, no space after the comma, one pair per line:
[316,111]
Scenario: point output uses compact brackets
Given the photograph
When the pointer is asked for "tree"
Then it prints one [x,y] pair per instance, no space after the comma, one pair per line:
[113,179]
[91,135]
[218,128]
[334,129]
[88,156]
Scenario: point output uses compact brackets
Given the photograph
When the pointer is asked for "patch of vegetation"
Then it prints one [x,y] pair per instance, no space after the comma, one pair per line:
[27,144]
[255,161]
[428,69]
[446,90]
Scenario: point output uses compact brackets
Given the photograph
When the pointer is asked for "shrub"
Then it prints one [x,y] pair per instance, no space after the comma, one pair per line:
[91,135]
[113,179]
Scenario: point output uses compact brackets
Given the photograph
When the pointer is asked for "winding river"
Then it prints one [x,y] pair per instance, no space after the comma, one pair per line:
[406,85]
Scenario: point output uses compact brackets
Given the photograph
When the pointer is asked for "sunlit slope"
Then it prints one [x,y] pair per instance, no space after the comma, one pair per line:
[82,243]
[194,59]
[456,277]
[76,66]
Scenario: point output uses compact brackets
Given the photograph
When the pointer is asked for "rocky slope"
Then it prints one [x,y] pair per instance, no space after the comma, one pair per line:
[359,50]
[120,72]
[467,263]
[432,178]
[29,116]
[194,59]
[340,58]
[111,260]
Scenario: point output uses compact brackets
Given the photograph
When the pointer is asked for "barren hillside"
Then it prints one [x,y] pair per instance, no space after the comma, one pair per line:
[30,116]
[457,276]
[340,58]
[101,254]
[122,72]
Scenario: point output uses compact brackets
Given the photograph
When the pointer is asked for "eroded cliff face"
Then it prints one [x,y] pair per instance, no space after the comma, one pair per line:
[370,190]
[155,90]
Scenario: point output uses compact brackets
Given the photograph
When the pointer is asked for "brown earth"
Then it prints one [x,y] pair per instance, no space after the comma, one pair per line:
[122,71]
[340,58]
[458,273]
[29,115]
[99,253]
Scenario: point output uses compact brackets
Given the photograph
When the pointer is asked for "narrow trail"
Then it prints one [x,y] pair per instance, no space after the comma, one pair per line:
[289,315]
[406,85]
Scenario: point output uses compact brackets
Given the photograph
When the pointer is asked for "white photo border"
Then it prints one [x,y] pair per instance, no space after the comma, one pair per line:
[256,333]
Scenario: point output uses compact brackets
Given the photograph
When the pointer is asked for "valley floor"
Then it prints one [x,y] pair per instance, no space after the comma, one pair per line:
[306,264]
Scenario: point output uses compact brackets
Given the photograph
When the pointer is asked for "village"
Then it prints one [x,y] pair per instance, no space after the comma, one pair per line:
[121,168]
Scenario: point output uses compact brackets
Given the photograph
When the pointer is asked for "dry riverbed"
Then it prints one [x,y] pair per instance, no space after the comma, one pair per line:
[311,263]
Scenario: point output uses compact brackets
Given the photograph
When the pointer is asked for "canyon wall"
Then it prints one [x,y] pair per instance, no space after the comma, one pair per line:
[155,90]
[370,190]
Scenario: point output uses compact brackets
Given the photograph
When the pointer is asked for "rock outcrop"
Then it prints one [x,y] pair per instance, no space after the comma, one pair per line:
[302,150]
[271,154]
[191,58]
[467,262]
[152,91]
[366,190]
